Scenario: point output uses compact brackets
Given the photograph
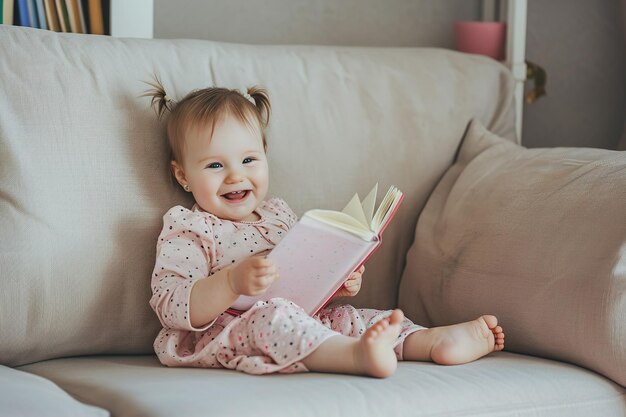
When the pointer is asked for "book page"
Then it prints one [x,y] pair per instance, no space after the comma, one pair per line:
[359,218]
[386,208]
[369,204]
[341,221]
[354,209]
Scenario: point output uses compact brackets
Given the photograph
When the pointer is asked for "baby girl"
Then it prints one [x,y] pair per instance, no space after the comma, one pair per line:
[209,255]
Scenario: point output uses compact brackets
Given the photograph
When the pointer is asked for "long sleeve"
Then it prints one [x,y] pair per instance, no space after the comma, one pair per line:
[185,251]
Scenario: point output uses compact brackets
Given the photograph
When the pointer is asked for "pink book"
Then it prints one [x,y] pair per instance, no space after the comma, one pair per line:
[318,254]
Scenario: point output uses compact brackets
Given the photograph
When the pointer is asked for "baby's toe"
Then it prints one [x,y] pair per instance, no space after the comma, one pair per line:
[491,321]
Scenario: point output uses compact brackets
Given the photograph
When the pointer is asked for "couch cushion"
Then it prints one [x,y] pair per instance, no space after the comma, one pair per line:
[84,178]
[25,394]
[503,384]
[535,236]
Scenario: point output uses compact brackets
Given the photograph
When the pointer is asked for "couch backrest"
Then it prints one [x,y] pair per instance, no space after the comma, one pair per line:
[84,177]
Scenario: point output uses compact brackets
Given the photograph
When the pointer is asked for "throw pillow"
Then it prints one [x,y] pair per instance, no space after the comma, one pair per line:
[536,237]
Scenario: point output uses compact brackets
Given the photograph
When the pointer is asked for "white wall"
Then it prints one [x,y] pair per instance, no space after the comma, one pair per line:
[579,42]
[322,22]
[581,45]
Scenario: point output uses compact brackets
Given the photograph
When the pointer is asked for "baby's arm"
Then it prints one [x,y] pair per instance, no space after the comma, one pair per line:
[212,295]
[185,295]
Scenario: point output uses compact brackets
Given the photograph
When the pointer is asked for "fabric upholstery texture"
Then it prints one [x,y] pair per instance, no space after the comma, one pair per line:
[534,236]
[84,178]
[501,385]
[26,394]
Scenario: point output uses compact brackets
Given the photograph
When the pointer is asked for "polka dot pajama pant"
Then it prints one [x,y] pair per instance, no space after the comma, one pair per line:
[271,337]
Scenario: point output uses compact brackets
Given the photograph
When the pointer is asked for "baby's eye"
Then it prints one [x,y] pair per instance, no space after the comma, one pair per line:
[214,165]
[248,160]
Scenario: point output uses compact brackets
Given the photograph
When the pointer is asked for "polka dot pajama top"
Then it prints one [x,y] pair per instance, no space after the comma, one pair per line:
[272,336]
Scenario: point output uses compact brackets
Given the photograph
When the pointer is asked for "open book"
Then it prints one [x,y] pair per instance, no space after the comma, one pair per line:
[320,251]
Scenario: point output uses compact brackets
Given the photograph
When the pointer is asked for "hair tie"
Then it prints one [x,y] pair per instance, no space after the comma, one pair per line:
[249,97]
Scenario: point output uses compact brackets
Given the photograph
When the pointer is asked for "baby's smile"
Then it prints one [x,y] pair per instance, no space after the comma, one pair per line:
[236,196]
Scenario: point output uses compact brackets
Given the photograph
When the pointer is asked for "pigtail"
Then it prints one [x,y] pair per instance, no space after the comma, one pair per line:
[262,103]
[160,102]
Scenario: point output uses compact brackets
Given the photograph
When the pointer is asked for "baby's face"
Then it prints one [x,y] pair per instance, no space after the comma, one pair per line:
[227,172]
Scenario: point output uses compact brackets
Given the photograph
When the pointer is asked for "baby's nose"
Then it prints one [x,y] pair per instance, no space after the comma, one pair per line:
[234,177]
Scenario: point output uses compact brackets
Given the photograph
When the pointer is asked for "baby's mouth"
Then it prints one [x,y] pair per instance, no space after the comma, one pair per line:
[236,195]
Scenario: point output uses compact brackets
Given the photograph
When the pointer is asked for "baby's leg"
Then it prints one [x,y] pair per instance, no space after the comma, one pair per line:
[372,354]
[350,321]
[456,344]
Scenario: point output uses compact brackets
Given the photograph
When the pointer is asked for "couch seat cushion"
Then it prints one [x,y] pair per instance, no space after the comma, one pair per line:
[24,394]
[502,384]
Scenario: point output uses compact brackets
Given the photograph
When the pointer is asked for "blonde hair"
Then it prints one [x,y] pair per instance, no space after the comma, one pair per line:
[206,107]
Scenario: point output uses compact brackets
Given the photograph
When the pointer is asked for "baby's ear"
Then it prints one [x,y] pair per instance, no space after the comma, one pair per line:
[179,173]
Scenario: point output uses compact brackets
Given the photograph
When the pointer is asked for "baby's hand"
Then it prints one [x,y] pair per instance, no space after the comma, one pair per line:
[252,276]
[352,285]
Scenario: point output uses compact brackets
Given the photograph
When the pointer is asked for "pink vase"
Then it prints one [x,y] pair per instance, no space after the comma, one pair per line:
[483,38]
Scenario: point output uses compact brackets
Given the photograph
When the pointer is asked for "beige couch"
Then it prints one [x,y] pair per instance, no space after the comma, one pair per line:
[537,237]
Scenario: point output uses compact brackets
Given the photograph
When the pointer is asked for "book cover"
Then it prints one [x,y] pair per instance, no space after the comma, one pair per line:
[81,16]
[106,16]
[6,12]
[41,14]
[96,19]
[51,15]
[63,16]
[320,251]
[32,14]
[74,17]
[22,12]
[10,12]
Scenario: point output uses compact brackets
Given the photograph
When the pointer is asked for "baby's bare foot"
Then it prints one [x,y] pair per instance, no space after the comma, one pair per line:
[466,342]
[374,353]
